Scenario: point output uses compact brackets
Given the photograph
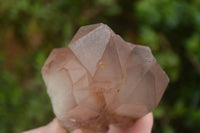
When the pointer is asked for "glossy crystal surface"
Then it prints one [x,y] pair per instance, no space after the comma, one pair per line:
[100,79]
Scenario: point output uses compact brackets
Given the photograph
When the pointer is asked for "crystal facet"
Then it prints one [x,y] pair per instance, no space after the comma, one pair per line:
[100,79]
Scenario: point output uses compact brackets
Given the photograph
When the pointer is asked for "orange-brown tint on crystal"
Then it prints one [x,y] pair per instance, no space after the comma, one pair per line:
[100,79]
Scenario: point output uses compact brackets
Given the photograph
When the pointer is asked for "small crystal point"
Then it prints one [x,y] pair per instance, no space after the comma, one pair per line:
[100,80]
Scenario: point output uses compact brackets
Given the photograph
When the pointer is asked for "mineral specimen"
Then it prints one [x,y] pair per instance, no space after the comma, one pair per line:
[100,79]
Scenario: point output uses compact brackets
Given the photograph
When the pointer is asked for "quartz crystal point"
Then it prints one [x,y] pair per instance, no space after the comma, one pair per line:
[100,79]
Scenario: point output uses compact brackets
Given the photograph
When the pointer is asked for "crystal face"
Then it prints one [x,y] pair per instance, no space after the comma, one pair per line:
[100,79]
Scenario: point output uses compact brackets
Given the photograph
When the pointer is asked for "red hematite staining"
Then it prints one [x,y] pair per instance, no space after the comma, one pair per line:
[100,79]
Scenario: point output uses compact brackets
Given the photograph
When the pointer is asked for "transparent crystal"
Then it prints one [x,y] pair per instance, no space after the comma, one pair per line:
[100,79]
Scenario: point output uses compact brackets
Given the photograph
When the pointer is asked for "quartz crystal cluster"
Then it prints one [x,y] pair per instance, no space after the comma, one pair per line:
[100,79]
